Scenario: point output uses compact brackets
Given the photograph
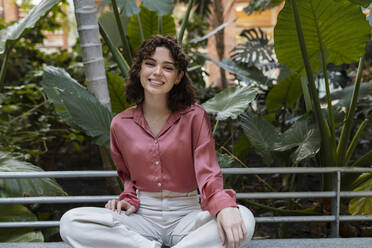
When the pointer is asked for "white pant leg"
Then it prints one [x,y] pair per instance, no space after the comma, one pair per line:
[199,229]
[91,227]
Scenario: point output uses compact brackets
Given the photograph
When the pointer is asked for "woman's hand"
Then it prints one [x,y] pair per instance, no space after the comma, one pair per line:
[119,205]
[231,228]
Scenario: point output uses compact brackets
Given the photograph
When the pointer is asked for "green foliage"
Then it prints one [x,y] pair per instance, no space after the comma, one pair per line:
[162,7]
[13,213]
[106,20]
[362,205]
[25,187]
[262,135]
[115,85]
[77,105]
[231,102]
[15,31]
[149,22]
[328,27]
[304,137]
[285,93]
[344,96]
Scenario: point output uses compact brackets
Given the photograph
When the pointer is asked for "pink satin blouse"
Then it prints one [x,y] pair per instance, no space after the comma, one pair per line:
[181,158]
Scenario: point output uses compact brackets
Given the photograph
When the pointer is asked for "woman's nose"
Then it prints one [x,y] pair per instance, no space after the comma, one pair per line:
[157,70]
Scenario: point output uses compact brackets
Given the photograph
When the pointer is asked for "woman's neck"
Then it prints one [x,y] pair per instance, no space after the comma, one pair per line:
[155,106]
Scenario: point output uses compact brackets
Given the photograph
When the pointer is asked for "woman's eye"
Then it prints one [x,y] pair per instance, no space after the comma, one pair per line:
[169,68]
[149,63]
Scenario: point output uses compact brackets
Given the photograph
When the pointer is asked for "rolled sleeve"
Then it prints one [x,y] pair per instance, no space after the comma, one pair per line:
[208,174]
[129,193]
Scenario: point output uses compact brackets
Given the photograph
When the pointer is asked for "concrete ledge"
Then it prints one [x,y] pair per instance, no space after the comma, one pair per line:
[313,243]
[267,243]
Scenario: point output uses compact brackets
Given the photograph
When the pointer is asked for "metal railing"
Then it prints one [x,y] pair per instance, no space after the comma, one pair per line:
[335,218]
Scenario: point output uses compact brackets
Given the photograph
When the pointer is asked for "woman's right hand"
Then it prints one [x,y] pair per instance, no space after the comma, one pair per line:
[116,205]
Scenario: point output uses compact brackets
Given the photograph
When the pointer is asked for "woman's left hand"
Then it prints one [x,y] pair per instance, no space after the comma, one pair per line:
[231,228]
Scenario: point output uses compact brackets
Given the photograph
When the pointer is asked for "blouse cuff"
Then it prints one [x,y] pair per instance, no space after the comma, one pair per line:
[221,200]
[131,198]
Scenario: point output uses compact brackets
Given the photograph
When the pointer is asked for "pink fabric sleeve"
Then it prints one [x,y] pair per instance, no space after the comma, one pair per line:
[129,193]
[208,173]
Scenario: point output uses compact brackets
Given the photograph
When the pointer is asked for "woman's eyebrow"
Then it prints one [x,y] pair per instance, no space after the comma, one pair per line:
[165,62]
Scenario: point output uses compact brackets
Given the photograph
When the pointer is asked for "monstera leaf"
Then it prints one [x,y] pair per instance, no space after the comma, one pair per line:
[303,136]
[261,134]
[77,105]
[286,93]
[362,205]
[149,22]
[230,102]
[328,26]
[16,30]
[25,187]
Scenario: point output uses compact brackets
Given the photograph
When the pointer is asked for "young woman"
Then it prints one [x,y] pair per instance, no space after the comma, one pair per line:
[164,151]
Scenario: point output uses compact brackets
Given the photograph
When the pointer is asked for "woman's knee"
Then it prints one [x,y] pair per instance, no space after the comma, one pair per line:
[68,224]
[248,220]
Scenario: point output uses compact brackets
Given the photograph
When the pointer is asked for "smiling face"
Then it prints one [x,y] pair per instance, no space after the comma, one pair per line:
[158,73]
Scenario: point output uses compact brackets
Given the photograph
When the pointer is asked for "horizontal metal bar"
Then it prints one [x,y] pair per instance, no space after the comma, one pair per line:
[20,224]
[232,171]
[57,174]
[356,218]
[282,219]
[56,199]
[356,193]
[295,170]
[285,195]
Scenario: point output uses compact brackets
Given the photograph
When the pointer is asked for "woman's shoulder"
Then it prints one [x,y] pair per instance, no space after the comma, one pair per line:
[125,114]
[194,109]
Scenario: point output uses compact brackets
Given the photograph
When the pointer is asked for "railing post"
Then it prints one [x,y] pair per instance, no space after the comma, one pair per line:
[336,185]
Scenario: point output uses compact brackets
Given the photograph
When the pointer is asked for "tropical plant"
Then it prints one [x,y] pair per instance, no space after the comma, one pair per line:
[23,188]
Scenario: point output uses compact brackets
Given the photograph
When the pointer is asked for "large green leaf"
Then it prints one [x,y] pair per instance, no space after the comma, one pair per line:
[128,7]
[261,134]
[344,96]
[326,25]
[286,93]
[303,136]
[13,213]
[363,3]
[77,105]
[16,30]
[162,7]
[363,205]
[149,22]
[115,85]
[25,187]
[230,102]
[107,20]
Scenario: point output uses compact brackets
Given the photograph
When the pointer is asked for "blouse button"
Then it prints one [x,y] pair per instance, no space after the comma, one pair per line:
[155,141]
[159,184]
[157,162]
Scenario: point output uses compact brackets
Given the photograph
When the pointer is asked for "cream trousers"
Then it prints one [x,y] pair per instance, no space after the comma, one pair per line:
[170,218]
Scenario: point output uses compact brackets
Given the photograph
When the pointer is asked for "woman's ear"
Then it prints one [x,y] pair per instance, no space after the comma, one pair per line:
[179,77]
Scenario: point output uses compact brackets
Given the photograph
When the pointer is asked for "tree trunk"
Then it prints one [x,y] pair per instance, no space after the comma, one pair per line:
[218,19]
[94,67]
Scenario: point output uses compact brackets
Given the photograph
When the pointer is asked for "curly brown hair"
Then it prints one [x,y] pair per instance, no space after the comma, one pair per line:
[182,94]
